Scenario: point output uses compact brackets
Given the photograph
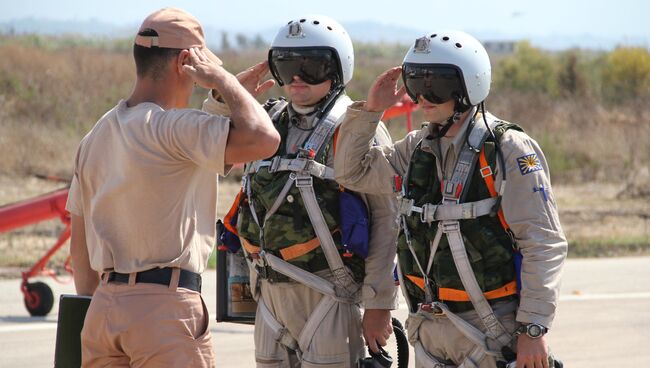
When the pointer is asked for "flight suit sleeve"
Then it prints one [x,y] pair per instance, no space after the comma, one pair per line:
[362,166]
[531,212]
[379,290]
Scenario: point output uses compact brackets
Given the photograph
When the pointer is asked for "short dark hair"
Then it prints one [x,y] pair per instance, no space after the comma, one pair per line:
[152,61]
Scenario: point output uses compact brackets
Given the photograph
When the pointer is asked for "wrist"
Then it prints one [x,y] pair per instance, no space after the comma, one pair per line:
[369,108]
[532,330]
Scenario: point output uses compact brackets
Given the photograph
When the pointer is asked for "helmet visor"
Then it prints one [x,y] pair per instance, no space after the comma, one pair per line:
[313,66]
[434,82]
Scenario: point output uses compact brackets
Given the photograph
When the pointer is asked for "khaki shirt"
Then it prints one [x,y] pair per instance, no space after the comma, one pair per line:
[531,212]
[379,290]
[145,183]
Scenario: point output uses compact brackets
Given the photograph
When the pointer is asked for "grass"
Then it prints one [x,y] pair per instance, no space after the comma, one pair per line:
[52,91]
[614,247]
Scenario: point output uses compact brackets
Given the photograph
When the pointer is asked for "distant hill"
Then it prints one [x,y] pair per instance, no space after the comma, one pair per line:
[364,31]
[57,27]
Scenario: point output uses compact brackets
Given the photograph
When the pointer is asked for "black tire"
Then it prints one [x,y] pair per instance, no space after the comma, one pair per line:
[41,299]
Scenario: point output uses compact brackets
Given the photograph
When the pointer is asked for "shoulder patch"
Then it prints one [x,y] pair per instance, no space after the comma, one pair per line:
[529,163]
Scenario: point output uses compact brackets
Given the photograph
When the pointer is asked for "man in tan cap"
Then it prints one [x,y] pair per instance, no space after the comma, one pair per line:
[143,200]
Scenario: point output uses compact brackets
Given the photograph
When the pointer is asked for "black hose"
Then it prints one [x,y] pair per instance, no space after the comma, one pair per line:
[402,344]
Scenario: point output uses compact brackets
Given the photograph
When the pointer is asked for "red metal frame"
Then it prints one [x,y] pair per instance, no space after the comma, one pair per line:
[404,107]
[32,211]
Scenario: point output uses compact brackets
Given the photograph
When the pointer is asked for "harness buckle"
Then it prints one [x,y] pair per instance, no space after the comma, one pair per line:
[258,258]
[431,308]
[406,206]
[467,210]
[275,163]
[304,181]
[450,226]
[486,171]
[428,213]
[452,191]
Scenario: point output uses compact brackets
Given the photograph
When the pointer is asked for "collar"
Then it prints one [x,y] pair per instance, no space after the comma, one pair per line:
[303,110]
[456,141]
[302,117]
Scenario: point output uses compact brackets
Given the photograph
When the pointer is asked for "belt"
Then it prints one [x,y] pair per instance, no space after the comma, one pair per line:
[163,276]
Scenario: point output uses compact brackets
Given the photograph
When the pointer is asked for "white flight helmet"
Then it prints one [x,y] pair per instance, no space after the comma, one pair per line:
[447,49]
[317,32]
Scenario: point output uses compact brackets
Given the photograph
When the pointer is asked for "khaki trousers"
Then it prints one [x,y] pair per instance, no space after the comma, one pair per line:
[146,325]
[446,343]
[337,341]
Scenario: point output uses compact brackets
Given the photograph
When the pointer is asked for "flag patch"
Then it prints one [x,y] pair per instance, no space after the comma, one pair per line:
[529,163]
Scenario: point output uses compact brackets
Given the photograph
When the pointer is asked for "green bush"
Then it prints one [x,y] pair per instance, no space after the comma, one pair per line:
[626,74]
[529,69]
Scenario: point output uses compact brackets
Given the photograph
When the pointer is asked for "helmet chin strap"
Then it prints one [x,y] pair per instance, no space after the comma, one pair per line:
[326,103]
[453,119]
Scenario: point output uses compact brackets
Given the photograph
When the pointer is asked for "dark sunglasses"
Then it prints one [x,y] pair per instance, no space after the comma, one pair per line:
[435,83]
[313,66]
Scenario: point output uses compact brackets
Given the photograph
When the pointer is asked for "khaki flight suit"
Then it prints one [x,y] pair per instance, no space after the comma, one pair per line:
[338,340]
[528,204]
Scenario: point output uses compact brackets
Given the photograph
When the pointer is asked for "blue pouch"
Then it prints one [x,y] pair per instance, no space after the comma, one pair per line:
[355,225]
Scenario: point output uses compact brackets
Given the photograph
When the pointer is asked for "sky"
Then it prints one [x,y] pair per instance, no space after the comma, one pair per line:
[621,21]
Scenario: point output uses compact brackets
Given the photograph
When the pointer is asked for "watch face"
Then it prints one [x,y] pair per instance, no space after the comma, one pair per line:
[534,330]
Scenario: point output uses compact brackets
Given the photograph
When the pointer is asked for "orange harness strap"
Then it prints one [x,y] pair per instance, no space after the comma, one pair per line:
[454,295]
[488,176]
[298,250]
[250,248]
[288,253]
[334,138]
[232,212]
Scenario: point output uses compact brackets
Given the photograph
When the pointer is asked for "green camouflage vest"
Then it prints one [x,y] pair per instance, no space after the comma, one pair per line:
[290,224]
[489,246]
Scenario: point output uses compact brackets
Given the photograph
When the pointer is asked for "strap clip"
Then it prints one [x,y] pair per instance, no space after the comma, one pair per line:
[275,163]
[431,308]
[450,226]
[304,181]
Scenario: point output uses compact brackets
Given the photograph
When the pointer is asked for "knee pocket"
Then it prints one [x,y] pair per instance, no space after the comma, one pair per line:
[342,361]
[337,340]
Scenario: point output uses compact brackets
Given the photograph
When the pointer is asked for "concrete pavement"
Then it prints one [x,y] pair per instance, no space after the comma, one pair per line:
[603,320]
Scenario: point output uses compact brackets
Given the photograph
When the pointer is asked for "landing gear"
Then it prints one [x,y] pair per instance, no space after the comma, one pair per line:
[39,298]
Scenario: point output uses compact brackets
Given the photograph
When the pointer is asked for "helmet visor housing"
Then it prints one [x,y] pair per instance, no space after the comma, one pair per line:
[313,66]
[436,83]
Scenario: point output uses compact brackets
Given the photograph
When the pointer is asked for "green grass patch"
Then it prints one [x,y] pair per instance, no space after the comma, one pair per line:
[212,261]
[598,248]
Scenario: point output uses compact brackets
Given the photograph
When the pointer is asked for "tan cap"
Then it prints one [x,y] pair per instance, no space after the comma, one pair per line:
[176,29]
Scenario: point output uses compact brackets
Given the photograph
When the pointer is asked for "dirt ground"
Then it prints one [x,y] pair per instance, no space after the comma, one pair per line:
[596,219]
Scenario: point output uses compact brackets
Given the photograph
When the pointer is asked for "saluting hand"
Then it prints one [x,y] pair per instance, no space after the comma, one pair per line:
[251,77]
[204,67]
[383,92]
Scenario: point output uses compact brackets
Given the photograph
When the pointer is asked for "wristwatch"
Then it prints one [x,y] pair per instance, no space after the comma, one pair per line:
[533,330]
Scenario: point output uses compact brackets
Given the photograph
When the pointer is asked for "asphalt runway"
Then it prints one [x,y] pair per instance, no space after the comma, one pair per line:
[603,320]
